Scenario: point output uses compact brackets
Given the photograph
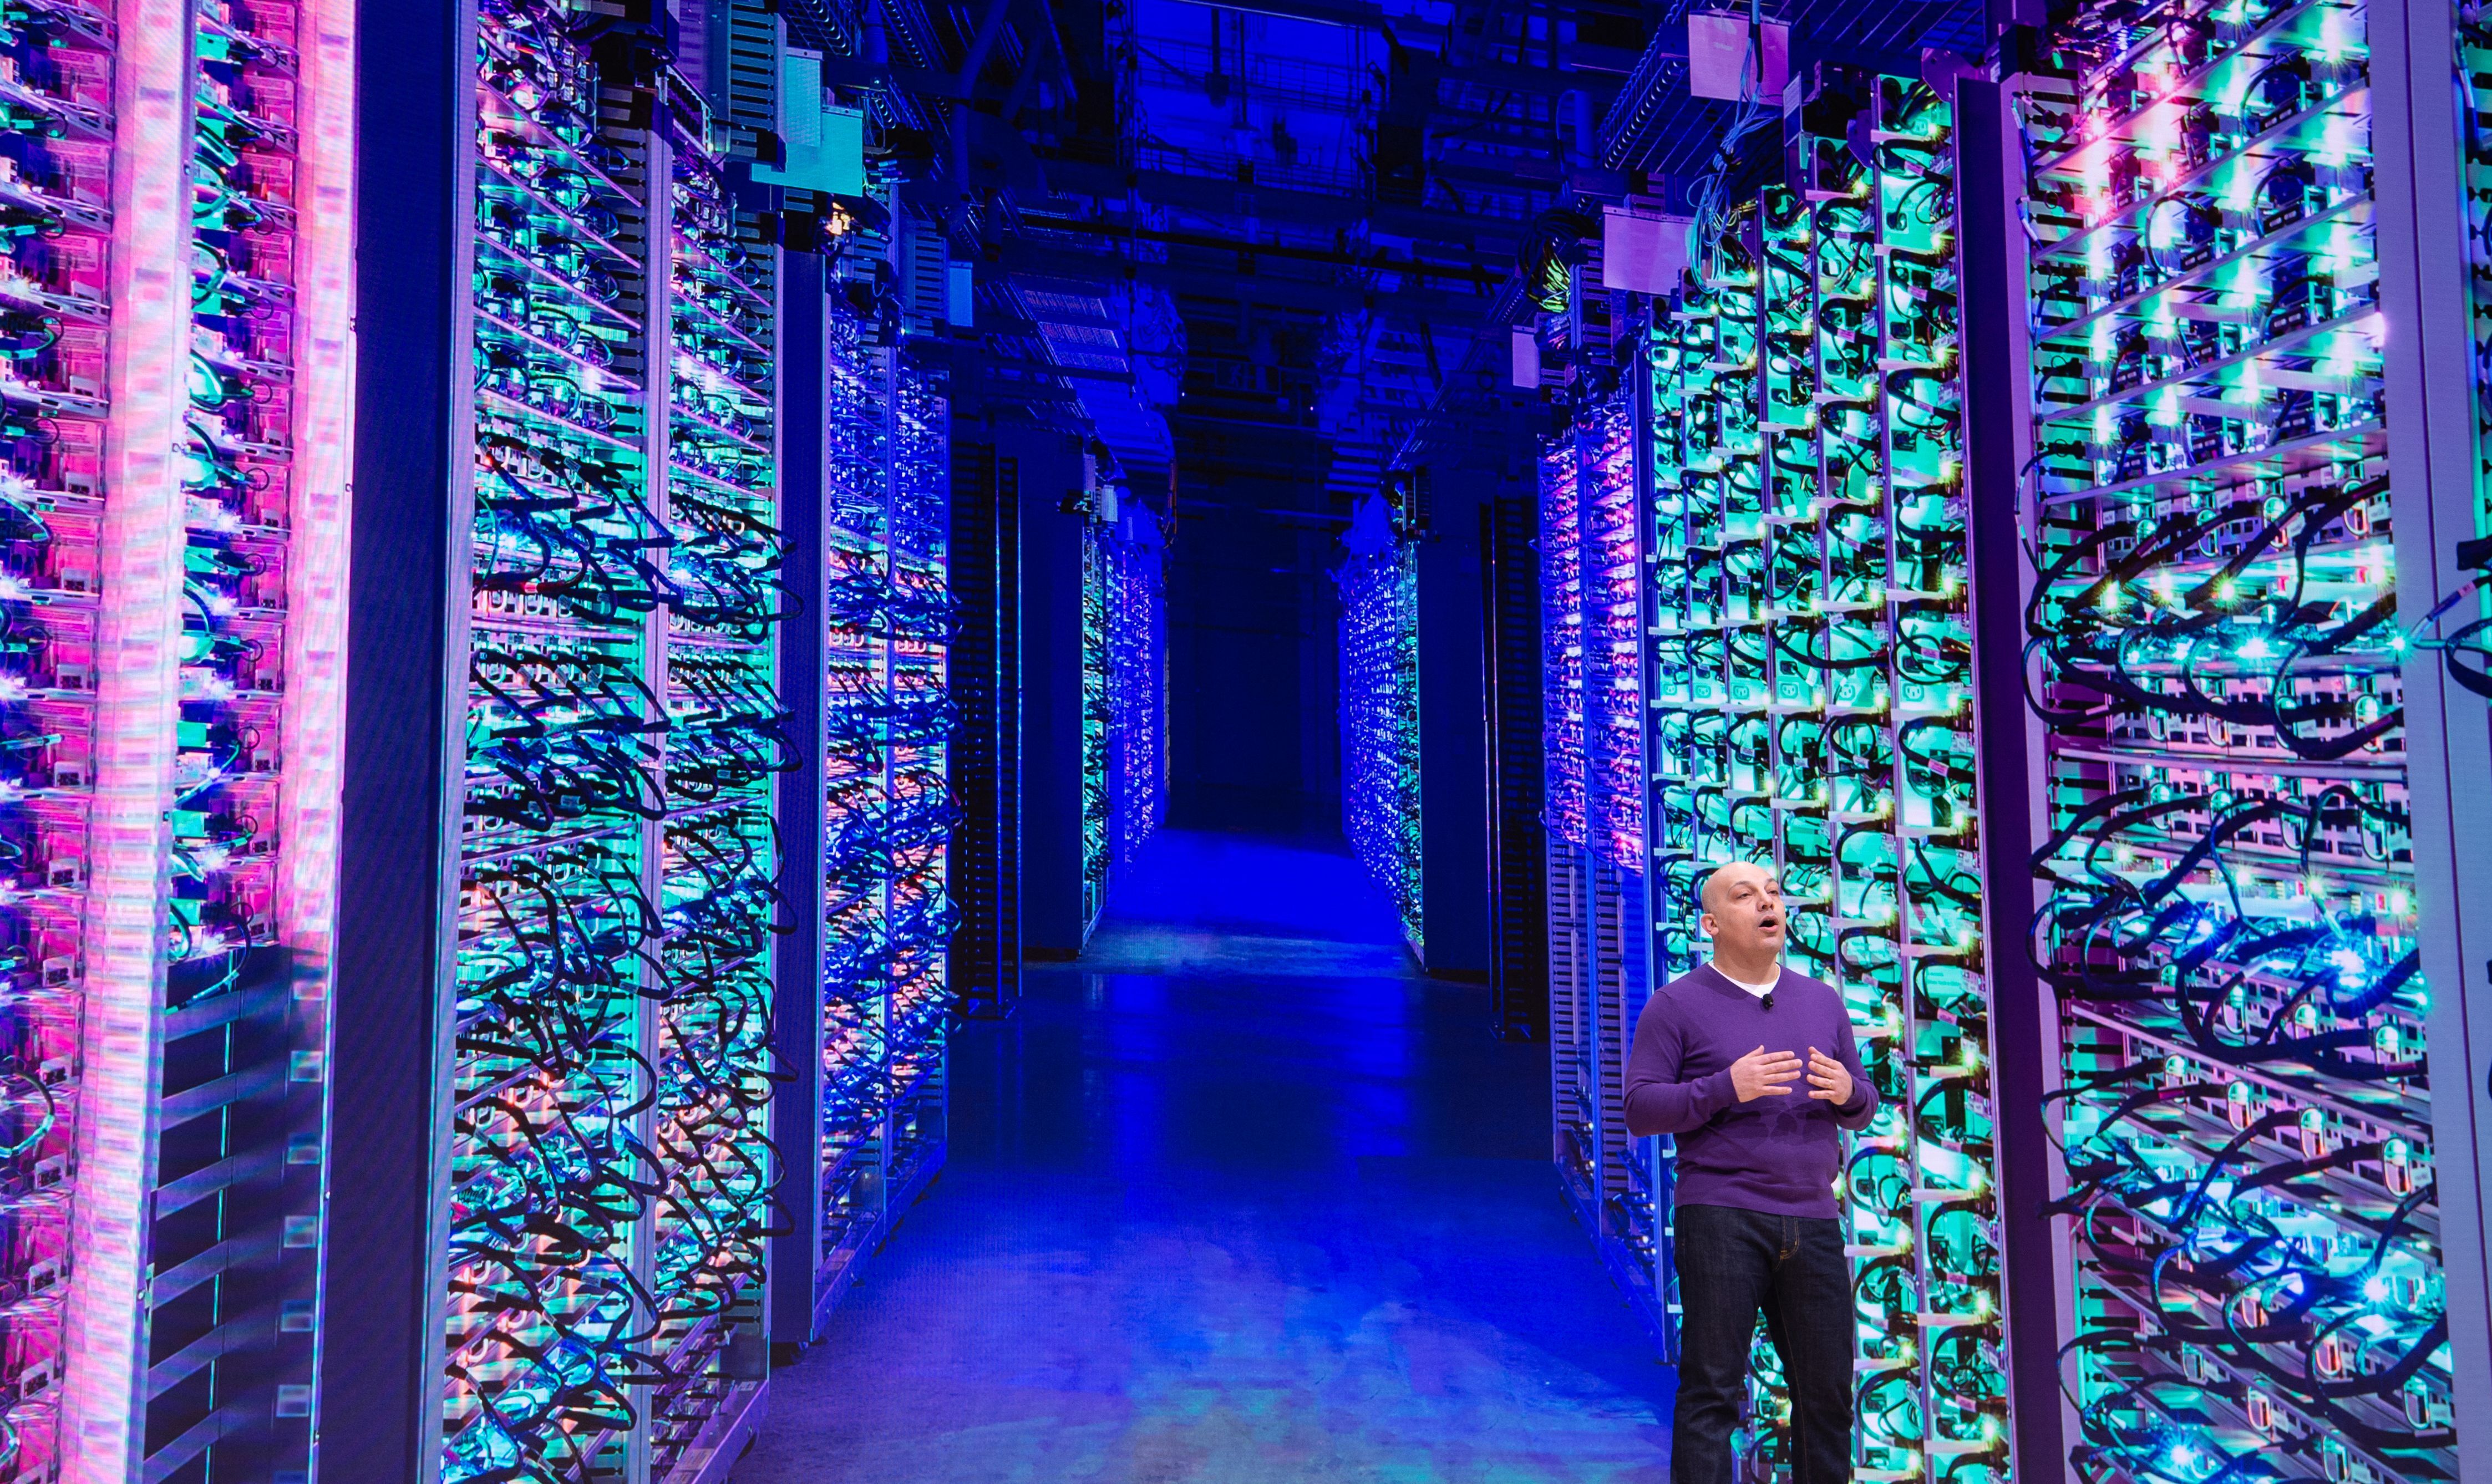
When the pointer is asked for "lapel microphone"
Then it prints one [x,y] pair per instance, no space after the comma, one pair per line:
[1769,1000]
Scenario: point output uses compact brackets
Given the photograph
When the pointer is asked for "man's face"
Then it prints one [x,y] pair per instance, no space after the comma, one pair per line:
[1744,910]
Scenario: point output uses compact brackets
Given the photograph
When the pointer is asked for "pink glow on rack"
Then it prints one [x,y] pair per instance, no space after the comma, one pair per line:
[316,629]
[138,659]
[315,626]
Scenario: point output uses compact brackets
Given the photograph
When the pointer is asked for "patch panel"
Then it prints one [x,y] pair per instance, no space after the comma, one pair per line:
[2230,923]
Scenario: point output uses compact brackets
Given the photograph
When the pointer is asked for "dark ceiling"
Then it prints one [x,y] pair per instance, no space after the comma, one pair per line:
[1281,243]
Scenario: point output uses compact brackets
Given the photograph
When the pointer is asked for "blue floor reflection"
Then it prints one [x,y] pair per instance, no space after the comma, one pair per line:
[1238,1199]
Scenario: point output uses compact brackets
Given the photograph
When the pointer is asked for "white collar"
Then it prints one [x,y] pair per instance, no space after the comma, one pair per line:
[1761,990]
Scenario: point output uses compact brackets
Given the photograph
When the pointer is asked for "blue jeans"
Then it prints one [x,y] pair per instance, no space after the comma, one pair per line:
[1731,1265]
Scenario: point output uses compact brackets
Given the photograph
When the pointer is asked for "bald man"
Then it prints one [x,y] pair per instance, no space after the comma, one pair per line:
[1753,1069]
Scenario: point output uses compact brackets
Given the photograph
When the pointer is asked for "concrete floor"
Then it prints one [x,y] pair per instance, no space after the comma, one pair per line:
[1238,1198]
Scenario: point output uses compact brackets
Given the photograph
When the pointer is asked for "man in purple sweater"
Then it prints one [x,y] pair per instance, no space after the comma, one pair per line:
[1722,1057]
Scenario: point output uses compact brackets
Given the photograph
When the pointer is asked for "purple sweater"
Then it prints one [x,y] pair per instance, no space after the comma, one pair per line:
[1778,1155]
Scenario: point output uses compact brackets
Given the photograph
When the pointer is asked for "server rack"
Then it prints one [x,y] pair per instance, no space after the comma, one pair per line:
[617,862]
[1794,599]
[1454,868]
[1057,895]
[1600,961]
[1817,711]
[1098,717]
[2433,161]
[1517,842]
[1574,1050]
[1095,652]
[1379,582]
[888,808]
[175,452]
[2251,888]
[986,749]
[1409,703]
[1133,555]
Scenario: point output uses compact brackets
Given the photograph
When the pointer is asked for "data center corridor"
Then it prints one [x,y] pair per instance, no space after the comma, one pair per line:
[1238,1197]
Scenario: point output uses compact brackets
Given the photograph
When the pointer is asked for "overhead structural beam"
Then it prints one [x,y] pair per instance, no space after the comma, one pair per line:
[989,26]
[1542,81]
[1493,236]
[1353,15]
[1359,15]
[1273,290]
[1372,261]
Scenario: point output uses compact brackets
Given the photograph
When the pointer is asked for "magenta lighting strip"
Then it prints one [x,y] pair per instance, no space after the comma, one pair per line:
[315,646]
[136,662]
[60,1162]
[174,400]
